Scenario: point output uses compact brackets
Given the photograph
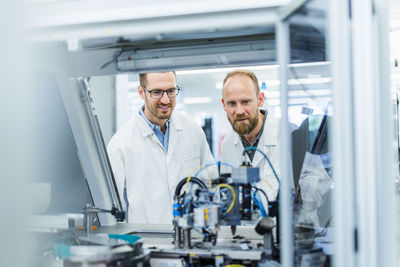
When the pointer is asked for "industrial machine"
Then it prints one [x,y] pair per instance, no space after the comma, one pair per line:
[221,221]
[232,198]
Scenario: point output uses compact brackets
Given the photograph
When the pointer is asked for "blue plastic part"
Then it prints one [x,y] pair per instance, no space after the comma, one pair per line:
[176,210]
[62,251]
[131,239]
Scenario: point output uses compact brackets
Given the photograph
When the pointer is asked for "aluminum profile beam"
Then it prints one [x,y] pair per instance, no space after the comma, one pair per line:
[76,20]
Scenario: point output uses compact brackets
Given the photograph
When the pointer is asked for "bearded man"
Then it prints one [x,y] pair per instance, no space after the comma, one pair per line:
[252,127]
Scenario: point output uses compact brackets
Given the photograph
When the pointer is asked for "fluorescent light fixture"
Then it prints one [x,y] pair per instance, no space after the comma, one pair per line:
[310,93]
[272,94]
[309,81]
[309,64]
[264,67]
[243,52]
[136,101]
[273,102]
[133,84]
[134,94]
[188,72]
[314,80]
[197,100]
[298,101]
[321,92]
[179,106]
[307,101]
[270,83]
[297,93]
[218,85]
[314,75]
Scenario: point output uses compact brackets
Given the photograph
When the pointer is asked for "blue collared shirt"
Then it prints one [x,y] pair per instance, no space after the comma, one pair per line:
[163,138]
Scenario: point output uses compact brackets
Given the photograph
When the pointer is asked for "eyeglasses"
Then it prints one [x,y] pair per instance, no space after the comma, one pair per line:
[158,93]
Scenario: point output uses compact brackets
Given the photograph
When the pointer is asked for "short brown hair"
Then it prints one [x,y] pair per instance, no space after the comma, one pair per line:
[143,78]
[247,73]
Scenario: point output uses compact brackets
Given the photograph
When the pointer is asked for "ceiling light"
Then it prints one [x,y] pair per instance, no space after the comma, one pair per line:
[309,81]
[309,64]
[133,84]
[218,85]
[297,93]
[197,100]
[272,94]
[273,102]
[297,101]
[269,83]
[187,72]
[320,92]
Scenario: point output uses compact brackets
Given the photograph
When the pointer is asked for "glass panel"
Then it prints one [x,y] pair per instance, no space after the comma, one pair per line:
[394,39]
[310,114]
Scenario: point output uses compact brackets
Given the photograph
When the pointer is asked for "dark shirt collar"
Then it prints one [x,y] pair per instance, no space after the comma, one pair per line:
[258,136]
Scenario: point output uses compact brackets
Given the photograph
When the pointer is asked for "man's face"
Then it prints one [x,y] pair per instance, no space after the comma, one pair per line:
[241,103]
[158,110]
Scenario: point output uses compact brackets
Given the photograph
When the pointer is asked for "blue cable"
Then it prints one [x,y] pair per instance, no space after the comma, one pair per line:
[212,163]
[259,205]
[230,163]
[266,157]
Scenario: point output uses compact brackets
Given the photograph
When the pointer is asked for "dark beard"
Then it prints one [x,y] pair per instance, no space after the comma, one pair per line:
[244,128]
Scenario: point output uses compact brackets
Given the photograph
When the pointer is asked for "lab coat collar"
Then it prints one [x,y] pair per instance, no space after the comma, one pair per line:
[153,126]
[175,127]
[176,122]
[271,129]
[146,130]
[268,139]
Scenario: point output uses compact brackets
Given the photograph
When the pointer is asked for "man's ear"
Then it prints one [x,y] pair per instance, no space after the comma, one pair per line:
[260,99]
[141,91]
[223,103]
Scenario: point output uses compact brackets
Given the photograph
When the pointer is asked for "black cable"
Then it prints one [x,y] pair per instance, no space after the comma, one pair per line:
[262,191]
[192,179]
[113,60]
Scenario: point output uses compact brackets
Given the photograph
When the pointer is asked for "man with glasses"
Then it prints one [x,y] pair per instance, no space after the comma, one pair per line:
[155,150]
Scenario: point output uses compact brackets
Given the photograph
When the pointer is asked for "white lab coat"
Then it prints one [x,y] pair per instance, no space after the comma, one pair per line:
[232,149]
[145,174]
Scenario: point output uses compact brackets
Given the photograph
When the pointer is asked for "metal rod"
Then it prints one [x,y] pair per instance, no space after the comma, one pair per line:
[285,210]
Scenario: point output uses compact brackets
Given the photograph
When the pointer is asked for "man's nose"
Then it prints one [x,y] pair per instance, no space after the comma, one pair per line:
[239,109]
[165,99]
